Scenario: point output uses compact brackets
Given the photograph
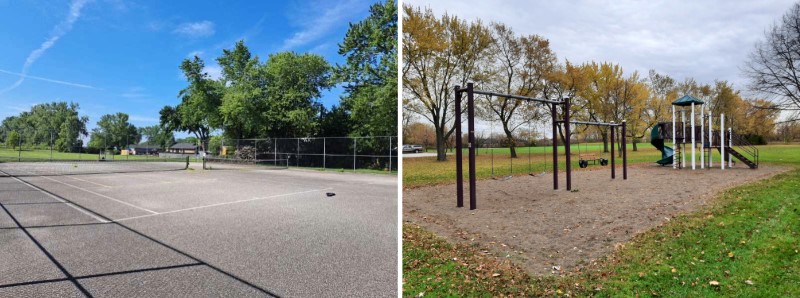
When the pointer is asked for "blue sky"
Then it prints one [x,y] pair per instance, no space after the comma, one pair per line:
[123,56]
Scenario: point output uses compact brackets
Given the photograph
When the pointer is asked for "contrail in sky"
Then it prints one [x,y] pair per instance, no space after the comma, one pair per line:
[60,30]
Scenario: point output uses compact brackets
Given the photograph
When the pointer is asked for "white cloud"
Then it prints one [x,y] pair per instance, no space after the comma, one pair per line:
[706,40]
[134,93]
[195,29]
[59,31]
[321,22]
[143,119]
[214,71]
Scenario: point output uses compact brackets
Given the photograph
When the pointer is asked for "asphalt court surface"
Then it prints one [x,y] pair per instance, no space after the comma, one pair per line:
[195,233]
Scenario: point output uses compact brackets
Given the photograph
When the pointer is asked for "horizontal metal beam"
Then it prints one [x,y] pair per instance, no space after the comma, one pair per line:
[593,123]
[517,97]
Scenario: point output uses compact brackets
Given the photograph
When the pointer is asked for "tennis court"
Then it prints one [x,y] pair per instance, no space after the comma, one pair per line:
[196,233]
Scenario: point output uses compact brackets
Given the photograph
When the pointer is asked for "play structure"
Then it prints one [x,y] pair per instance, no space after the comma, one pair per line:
[703,139]
[565,123]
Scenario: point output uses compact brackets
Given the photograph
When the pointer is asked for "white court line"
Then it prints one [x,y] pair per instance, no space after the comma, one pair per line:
[101,195]
[92,182]
[221,204]
[60,200]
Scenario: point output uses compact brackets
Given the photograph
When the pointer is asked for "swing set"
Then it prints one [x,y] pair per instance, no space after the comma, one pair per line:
[565,123]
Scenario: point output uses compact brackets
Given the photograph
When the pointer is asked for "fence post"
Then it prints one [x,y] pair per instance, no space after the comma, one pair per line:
[275,152]
[390,154]
[298,152]
[355,145]
[19,147]
[324,152]
[255,150]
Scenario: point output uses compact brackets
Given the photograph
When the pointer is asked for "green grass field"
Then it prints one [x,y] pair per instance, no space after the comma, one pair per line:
[11,155]
[745,243]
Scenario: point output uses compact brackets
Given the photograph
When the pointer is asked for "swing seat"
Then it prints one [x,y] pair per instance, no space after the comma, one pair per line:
[585,158]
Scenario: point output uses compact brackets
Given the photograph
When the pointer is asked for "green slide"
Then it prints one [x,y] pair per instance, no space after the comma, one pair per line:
[658,142]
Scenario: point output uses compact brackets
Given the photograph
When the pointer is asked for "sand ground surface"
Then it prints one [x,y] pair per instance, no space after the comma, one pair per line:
[539,228]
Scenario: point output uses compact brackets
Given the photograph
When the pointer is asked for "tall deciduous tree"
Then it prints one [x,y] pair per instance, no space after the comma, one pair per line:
[438,54]
[157,135]
[56,124]
[370,74]
[519,66]
[243,97]
[198,112]
[114,131]
[773,64]
[294,83]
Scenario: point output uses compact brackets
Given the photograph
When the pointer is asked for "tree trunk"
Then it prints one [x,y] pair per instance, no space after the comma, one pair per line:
[441,153]
[512,146]
[635,148]
[605,142]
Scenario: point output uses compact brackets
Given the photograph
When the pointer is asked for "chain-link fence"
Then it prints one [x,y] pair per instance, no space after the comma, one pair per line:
[347,153]
[33,144]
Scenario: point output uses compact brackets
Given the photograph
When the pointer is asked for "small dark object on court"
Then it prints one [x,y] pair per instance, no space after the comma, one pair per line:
[330,194]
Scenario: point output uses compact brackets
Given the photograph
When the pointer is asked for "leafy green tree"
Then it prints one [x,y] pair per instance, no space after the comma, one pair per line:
[114,130]
[58,124]
[370,74]
[335,122]
[243,98]
[294,82]
[157,135]
[198,112]
[12,139]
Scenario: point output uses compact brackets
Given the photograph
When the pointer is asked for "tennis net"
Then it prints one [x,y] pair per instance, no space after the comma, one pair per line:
[46,167]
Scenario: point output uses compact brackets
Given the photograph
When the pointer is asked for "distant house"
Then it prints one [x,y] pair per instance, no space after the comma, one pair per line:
[143,149]
[183,148]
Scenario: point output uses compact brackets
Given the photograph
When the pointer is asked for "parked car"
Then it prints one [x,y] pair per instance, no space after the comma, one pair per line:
[413,148]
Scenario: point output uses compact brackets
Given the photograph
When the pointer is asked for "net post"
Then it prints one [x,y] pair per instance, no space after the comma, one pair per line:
[325,153]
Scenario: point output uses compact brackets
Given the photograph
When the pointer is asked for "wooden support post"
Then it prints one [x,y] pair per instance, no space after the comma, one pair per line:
[459,147]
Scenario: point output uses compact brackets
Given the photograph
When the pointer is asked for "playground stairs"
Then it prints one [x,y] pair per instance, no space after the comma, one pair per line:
[739,147]
[753,164]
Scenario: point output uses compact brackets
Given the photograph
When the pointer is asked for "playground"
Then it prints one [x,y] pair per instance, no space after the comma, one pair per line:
[564,229]
[571,212]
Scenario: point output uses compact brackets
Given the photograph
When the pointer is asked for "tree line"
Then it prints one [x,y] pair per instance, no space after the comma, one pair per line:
[440,52]
[59,125]
[279,97]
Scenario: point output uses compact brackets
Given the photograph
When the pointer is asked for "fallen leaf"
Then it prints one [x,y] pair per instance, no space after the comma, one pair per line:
[495,274]
[713,283]
[674,270]
[749,282]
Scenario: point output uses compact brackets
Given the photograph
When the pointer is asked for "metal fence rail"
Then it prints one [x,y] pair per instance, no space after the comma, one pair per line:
[351,153]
